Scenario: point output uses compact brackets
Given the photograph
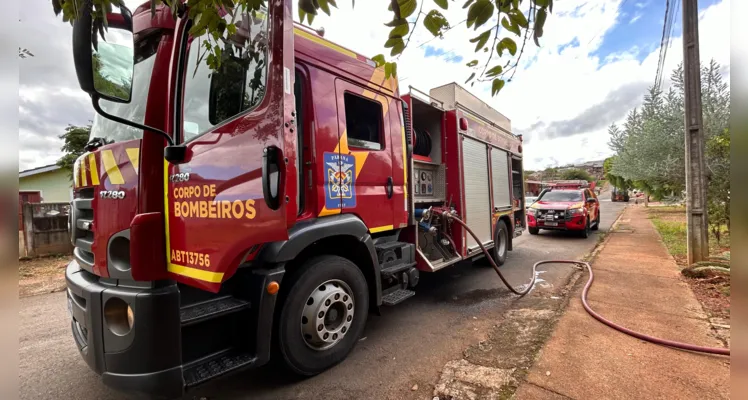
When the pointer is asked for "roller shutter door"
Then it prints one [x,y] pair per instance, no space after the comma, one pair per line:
[477,200]
[500,177]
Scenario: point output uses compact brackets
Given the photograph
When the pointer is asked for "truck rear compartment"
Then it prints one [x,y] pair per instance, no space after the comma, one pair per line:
[461,159]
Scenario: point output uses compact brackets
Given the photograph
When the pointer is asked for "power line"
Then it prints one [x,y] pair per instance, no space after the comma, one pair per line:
[667,31]
[662,43]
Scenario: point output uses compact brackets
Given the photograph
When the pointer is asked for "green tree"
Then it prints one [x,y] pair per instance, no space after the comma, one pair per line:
[74,142]
[718,189]
[650,148]
[549,173]
[498,24]
[615,180]
[576,173]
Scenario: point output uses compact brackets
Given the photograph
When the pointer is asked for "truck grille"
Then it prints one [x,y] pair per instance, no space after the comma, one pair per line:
[557,215]
[82,228]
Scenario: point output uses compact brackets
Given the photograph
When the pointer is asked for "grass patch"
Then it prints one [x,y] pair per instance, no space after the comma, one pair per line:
[673,235]
[671,223]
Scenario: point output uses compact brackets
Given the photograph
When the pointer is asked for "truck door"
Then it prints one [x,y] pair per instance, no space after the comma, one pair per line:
[237,186]
[358,174]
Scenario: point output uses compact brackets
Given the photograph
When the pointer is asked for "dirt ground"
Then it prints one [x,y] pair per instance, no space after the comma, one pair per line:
[41,275]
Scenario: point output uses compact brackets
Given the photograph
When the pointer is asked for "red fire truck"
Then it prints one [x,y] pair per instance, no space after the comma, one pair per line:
[265,207]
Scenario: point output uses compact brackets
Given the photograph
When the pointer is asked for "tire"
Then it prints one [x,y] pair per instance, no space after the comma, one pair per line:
[597,222]
[303,351]
[501,243]
[533,231]
[585,233]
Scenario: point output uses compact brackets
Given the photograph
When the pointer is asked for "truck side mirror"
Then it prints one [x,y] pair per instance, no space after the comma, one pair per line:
[104,57]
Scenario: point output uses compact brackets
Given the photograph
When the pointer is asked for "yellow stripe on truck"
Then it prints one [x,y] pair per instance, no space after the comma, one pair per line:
[381,228]
[194,273]
[84,179]
[323,42]
[166,212]
[111,168]
[94,170]
[133,154]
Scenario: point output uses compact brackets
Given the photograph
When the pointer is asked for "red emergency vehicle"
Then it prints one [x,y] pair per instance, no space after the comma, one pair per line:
[565,205]
[262,210]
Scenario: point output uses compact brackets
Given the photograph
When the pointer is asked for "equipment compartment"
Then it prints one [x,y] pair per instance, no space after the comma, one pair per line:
[428,120]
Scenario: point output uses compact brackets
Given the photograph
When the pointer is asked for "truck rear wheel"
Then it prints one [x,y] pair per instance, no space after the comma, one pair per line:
[501,243]
[325,307]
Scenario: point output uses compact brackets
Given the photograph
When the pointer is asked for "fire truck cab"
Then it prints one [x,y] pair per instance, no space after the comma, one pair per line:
[262,209]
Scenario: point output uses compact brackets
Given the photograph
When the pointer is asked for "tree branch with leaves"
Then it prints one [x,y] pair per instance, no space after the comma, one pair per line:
[510,22]
[74,143]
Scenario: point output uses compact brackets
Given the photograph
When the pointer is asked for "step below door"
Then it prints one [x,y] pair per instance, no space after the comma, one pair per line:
[477,186]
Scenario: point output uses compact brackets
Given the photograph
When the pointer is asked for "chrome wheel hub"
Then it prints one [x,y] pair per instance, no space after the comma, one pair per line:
[327,315]
[502,245]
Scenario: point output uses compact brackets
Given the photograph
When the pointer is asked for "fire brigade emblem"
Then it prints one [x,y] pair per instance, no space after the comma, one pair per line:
[340,179]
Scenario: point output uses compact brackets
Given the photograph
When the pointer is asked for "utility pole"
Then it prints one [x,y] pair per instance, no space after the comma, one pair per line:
[698,241]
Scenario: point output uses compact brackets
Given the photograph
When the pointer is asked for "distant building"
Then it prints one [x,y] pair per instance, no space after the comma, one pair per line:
[47,184]
[594,168]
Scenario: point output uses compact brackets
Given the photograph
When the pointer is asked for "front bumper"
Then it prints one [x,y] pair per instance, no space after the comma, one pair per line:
[146,359]
[574,223]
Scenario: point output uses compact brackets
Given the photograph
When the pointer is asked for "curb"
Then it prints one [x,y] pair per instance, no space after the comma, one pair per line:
[599,246]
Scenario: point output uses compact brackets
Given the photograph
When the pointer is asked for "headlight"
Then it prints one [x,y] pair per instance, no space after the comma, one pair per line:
[575,211]
[531,211]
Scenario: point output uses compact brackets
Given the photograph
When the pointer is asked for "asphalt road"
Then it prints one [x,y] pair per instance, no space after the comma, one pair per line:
[406,346]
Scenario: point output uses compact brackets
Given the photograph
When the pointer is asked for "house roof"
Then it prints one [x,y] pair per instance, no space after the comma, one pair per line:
[38,170]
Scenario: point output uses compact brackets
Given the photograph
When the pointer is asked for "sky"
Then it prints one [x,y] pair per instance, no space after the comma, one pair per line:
[597,59]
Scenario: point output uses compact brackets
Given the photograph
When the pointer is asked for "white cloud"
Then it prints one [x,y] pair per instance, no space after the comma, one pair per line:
[556,84]
[636,18]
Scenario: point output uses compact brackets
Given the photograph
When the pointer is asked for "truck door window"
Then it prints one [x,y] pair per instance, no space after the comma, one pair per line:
[212,97]
[363,121]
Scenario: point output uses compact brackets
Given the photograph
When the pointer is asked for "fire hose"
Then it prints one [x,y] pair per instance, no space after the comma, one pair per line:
[585,304]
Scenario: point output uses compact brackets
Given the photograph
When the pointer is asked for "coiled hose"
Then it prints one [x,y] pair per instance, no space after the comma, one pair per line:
[651,339]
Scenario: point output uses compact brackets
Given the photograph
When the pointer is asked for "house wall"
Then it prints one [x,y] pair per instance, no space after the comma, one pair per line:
[56,186]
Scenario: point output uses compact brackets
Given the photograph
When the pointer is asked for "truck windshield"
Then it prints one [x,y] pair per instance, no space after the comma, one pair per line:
[567,195]
[110,131]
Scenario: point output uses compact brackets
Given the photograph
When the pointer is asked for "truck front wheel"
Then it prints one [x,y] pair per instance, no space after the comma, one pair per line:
[325,305]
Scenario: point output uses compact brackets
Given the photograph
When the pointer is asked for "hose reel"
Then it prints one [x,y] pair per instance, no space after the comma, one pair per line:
[422,145]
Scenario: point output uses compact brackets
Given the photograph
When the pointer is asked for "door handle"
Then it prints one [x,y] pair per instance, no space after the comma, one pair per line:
[389,187]
[271,177]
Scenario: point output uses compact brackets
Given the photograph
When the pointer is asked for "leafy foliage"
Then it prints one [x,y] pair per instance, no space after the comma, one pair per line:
[614,180]
[650,147]
[74,142]
[576,173]
[504,15]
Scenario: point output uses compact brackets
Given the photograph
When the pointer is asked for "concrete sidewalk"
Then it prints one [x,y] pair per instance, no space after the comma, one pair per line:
[638,285]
